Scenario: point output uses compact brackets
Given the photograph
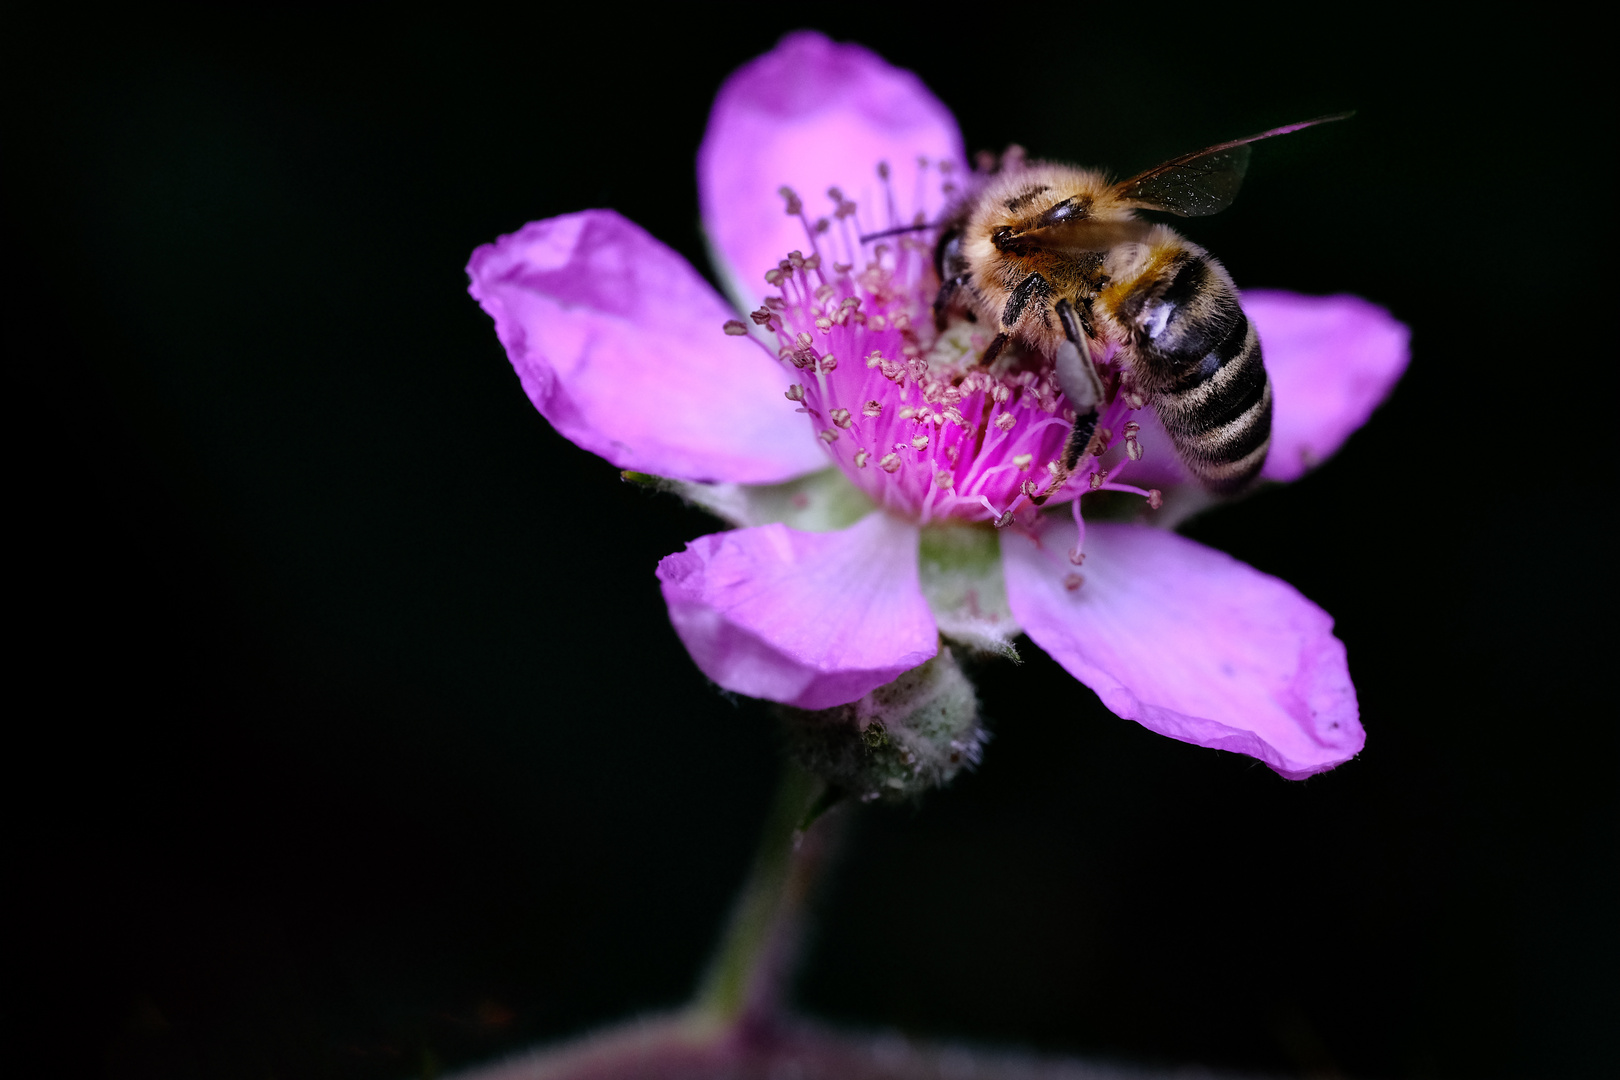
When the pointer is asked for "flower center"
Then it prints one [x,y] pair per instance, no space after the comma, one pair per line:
[903,406]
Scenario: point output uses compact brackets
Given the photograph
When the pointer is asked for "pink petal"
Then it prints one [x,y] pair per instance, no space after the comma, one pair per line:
[1332,361]
[807,619]
[811,115]
[1190,643]
[618,342]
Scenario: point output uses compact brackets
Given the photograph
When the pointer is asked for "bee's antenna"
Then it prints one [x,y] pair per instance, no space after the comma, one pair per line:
[898,230]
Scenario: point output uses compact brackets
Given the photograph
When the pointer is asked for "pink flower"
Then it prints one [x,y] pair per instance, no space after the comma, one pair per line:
[838,580]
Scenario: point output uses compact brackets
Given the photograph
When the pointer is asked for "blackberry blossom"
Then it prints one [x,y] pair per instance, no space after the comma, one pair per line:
[885,489]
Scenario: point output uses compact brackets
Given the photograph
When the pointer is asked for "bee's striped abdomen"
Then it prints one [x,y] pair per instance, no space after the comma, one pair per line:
[1198,356]
[1219,413]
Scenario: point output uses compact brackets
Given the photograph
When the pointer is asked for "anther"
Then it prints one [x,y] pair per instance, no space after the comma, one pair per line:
[823,292]
[824,324]
[813,262]
[762,317]
[1006,421]
[794,206]
[872,408]
[919,442]
[735,328]
[1073,581]
[829,363]
[773,276]
[795,393]
[1097,479]
[944,480]
[907,412]
[829,435]
[890,463]
[1130,391]
[1023,461]
[1001,394]
[805,340]
[862,456]
[1155,498]
[841,417]
[1076,556]
[954,415]
[796,259]
[883,170]
[874,360]
[842,268]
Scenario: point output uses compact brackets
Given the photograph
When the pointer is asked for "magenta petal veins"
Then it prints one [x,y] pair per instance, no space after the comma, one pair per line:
[617,341]
[1190,643]
[1332,361]
[807,619]
[811,115]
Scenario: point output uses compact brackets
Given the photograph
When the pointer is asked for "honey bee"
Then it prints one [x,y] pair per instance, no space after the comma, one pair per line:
[1057,259]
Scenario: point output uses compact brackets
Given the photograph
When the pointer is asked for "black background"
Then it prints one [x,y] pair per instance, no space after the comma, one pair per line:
[351,736]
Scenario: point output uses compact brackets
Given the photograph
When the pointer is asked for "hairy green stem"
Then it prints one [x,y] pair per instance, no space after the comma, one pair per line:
[748,977]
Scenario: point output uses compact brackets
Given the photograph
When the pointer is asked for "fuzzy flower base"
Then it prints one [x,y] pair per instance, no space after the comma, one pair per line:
[885,489]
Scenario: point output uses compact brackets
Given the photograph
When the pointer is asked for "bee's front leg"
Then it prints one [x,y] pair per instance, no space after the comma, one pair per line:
[1077,376]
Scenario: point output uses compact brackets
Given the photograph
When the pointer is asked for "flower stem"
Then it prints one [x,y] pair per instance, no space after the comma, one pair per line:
[747,979]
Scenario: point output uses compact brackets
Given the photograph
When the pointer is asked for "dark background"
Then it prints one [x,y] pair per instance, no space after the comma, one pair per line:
[351,736]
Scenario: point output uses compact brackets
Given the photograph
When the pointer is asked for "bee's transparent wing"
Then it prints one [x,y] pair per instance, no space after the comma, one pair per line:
[1203,182]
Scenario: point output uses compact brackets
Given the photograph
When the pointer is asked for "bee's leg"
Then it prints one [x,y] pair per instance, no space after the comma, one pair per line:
[997,343]
[1077,376]
[1033,287]
[942,300]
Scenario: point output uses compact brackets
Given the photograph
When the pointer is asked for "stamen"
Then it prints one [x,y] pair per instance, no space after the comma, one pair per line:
[919,443]
[944,479]
[1072,582]
[1155,498]
[794,206]
[829,435]
[1129,391]
[1006,422]
[795,392]
[1133,448]
[735,328]
[862,456]
[1001,518]
[872,408]
[1023,461]
[829,363]
[1076,554]
[890,463]
[841,417]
